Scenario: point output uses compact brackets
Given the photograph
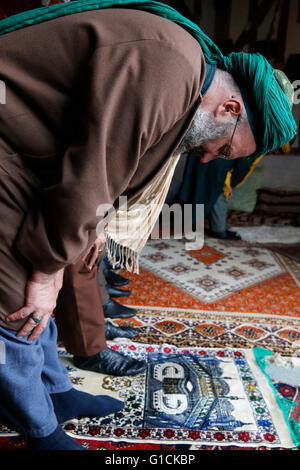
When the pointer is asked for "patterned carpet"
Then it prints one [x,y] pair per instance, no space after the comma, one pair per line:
[263,310]
[214,329]
[222,277]
[212,273]
[193,395]
[224,296]
[265,313]
[224,299]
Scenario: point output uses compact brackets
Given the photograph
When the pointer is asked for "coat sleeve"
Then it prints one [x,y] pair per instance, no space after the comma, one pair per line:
[131,94]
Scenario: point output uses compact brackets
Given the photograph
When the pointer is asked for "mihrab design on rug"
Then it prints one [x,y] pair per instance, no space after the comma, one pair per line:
[186,396]
[199,344]
[200,396]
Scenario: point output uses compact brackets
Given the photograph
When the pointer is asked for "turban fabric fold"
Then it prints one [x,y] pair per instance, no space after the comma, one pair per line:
[264,91]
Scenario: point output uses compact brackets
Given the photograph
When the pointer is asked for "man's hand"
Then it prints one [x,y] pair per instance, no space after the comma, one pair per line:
[41,296]
[91,256]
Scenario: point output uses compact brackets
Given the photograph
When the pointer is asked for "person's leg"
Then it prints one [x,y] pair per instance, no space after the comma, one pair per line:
[217,220]
[110,274]
[55,376]
[218,214]
[78,313]
[102,282]
[80,310]
[68,402]
[107,283]
[111,308]
[25,401]
[82,328]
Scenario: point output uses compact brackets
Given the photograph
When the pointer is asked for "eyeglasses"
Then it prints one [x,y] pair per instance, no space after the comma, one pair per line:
[226,155]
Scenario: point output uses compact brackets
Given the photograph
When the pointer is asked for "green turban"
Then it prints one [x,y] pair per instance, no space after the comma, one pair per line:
[268,98]
[266,92]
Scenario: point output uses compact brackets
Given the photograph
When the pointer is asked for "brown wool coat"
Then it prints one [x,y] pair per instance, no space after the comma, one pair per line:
[96,103]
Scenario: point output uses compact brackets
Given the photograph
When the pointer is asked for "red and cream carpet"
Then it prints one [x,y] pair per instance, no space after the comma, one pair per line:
[202,317]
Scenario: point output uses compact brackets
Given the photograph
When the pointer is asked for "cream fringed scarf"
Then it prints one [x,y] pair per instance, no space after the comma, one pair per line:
[129,229]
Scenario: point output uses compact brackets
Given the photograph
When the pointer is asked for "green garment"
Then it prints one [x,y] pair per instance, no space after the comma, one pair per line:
[287,406]
[203,182]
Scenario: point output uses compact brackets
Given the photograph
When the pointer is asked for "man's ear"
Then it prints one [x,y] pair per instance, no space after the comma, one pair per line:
[233,106]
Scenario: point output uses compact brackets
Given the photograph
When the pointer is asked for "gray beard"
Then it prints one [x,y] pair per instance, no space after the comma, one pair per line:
[203,129]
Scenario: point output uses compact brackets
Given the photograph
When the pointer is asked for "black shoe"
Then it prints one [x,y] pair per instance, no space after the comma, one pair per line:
[111,363]
[112,332]
[115,279]
[115,292]
[113,309]
[107,264]
[227,235]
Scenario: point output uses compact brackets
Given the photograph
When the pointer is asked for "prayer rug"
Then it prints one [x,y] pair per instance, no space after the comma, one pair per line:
[10,440]
[292,251]
[278,296]
[283,375]
[284,378]
[254,219]
[293,267]
[19,443]
[190,396]
[207,397]
[212,273]
[193,328]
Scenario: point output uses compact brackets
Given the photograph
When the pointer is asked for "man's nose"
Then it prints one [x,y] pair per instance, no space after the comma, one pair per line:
[207,157]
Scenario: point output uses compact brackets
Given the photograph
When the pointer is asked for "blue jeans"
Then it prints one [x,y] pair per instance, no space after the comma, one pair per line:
[30,372]
[218,214]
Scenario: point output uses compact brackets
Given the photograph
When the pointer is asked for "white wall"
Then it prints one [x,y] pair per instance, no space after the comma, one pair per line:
[281,172]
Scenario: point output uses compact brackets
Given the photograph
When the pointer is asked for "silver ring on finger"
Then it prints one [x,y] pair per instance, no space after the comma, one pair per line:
[37,319]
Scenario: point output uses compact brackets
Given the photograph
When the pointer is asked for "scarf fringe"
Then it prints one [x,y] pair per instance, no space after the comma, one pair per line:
[127,258]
